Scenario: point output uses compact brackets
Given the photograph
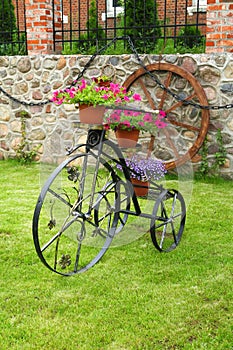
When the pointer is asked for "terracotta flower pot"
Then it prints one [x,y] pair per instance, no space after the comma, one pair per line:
[127,139]
[91,115]
[141,188]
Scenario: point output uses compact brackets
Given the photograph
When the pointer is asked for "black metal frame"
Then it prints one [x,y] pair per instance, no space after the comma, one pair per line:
[94,146]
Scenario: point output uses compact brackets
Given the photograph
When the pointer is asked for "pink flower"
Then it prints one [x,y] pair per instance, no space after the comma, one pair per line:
[126,123]
[126,98]
[105,97]
[160,124]
[114,88]
[71,94]
[59,101]
[128,113]
[83,84]
[147,118]
[136,97]
[115,117]
[162,114]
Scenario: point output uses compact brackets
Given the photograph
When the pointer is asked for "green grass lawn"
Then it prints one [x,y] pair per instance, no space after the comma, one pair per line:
[134,298]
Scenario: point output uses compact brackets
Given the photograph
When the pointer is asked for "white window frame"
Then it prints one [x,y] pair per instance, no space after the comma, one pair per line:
[111,11]
[193,9]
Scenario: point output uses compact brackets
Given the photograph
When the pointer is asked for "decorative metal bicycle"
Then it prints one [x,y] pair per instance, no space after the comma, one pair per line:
[86,202]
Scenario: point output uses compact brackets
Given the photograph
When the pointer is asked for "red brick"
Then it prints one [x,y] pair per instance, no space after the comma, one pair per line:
[209,43]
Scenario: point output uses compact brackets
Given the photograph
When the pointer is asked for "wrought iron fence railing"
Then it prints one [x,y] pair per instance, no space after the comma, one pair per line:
[154,26]
[83,26]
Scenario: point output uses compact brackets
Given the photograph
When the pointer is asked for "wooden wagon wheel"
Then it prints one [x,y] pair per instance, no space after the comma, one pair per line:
[187,125]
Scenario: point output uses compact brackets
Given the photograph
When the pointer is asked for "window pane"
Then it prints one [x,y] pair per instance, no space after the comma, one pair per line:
[115,3]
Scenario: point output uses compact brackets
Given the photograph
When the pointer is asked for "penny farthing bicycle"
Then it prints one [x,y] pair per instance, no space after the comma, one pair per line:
[86,202]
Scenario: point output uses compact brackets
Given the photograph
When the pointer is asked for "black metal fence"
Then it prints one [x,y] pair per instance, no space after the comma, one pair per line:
[153,25]
[13,36]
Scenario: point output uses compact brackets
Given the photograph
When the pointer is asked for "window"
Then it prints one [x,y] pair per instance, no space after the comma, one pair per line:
[197,6]
[113,9]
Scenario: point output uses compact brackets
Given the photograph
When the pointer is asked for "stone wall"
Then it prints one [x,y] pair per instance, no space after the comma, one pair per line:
[33,78]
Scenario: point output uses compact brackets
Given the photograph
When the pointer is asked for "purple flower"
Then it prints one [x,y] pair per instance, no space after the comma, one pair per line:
[145,169]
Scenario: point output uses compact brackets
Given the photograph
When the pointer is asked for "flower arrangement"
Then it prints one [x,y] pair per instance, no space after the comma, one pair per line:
[145,169]
[129,119]
[92,94]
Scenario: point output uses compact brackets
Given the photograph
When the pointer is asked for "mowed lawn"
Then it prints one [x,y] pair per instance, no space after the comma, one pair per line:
[135,297]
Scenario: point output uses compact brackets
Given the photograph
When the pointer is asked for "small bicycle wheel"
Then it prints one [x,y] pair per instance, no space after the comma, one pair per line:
[114,198]
[67,237]
[168,221]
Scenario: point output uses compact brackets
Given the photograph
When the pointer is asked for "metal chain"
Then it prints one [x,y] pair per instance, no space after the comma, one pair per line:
[177,97]
[153,77]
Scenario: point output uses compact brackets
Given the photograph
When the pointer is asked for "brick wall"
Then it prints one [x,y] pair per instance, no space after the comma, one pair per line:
[175,12]
[219,35]
[39,24]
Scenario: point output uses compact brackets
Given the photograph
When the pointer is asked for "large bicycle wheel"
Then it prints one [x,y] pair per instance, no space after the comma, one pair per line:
[67,237]
[168,221]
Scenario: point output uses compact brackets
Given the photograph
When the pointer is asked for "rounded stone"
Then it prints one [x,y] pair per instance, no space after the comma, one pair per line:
[220,60]
[51,119]
[15,126]
[61,63]
[49,63]
[3,130]
[37,95]
[189,134]
[4,146]
[37,134]
[4,61]
[37,121]
[210,93]
[4,113]
[21,88]
[24,65]
[230,124]
[15,143]
[189,64]
[210,74]
[228,71]
[3,74]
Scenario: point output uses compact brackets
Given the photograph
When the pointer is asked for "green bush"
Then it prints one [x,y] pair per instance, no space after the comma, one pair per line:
[11,41]
[7,21]
[141,23]
[190,37]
